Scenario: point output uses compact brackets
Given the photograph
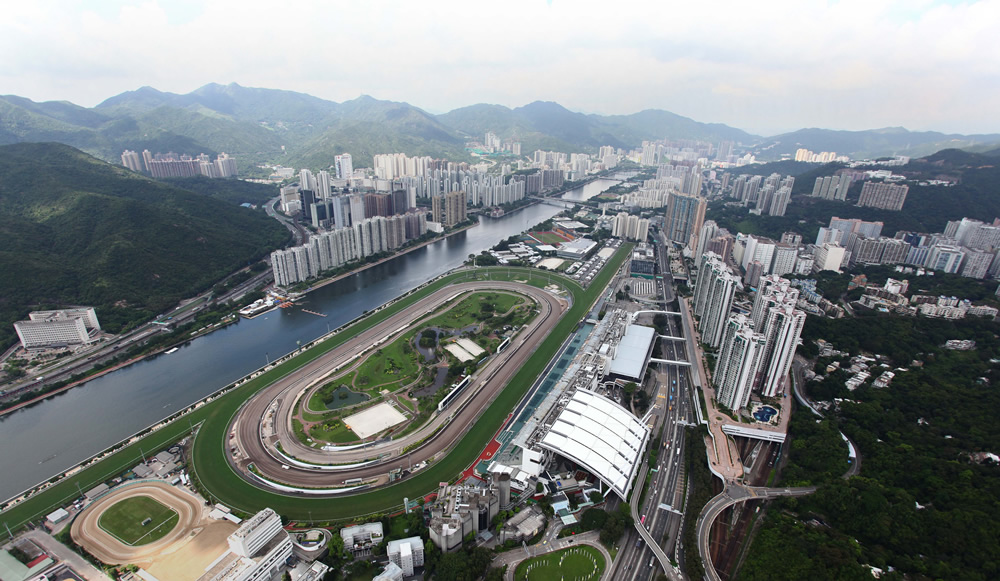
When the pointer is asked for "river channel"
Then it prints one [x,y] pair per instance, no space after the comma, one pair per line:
[47,438]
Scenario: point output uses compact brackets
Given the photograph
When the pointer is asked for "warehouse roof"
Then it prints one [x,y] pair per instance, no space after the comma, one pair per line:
[632,353]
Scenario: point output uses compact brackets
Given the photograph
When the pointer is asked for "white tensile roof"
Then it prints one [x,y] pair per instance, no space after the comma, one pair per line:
[601,436]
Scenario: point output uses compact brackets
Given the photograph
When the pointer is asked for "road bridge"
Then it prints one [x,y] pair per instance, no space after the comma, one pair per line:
[668,567]
[732,495]
[670,362]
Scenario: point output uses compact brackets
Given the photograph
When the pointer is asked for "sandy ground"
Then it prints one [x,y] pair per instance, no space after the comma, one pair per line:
[190,560]
[182,555]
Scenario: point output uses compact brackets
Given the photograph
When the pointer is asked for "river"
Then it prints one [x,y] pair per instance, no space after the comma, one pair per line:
[47,438]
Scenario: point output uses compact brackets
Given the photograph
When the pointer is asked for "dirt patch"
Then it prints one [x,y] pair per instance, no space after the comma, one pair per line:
[190,559]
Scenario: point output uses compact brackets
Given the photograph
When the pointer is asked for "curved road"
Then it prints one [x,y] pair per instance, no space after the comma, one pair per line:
[733,494]
[736,493]
[275,402]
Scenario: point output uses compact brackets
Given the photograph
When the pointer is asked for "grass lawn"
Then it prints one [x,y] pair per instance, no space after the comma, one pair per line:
[209,457]
[333,431]
[579,563]
[124,520]
[466,313]
[394,364]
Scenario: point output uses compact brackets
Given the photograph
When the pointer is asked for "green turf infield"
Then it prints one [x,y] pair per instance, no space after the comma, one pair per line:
[124,520]
[209,453]
[579,563]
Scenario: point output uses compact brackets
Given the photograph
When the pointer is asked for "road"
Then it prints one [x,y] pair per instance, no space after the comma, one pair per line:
[798,385]
[734,494]
[550,543]
[62,553]
[659,518]
[454,422]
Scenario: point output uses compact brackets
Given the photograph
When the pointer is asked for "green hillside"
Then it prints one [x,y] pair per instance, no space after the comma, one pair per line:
[869,143]
[77,231]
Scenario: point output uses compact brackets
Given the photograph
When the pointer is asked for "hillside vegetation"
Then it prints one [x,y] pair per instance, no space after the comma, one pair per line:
[927,208]
[77,231]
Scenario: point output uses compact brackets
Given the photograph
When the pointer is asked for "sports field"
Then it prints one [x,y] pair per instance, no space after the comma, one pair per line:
[124,521]
[580,563]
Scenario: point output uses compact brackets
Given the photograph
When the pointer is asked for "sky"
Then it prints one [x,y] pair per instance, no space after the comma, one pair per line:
[766,67]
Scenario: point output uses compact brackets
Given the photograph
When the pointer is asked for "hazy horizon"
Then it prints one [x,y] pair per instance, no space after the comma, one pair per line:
[925,65]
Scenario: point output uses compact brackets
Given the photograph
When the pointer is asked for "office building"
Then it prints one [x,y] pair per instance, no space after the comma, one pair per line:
[883,195]
[713,299]
[739,363]
[684,218]
[459,510]
[945,257]
[258,550]
[58,328]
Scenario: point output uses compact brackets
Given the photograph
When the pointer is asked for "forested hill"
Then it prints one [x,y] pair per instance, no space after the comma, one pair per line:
[75,230]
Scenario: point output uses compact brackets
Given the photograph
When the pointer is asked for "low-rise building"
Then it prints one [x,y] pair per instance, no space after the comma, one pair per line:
[360,538]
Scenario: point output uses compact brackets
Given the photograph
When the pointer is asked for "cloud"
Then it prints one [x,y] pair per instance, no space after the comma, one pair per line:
[765,67]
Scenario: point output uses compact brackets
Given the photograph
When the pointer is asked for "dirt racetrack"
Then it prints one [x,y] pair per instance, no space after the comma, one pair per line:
[181,554]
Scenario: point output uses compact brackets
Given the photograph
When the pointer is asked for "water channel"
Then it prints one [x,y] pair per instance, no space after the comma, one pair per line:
[47,438]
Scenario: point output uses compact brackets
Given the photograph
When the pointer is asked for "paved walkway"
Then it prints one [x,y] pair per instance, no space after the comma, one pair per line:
[66,555]
[551,543]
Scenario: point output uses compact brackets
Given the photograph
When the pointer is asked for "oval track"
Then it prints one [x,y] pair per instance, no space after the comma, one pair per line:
[453,422]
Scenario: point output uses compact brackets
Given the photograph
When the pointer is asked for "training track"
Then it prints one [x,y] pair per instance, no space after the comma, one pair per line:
[98,542]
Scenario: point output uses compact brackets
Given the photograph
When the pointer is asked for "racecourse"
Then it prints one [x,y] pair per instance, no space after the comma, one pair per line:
[219,479]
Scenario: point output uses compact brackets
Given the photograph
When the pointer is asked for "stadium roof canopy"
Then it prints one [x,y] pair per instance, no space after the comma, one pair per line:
[633,352]
[601,436]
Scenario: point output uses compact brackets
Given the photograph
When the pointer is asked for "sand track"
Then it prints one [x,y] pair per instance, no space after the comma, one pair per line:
[86,532]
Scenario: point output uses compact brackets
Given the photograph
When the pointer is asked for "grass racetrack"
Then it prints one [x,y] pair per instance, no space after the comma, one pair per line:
[209,453]
[580,563]
[124,521]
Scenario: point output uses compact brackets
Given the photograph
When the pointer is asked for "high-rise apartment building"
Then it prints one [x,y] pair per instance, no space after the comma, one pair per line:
[449,209]
[684,218]
[131,160]
[883,195]
[781,329]
[713,298]
[344,166]
[739,363]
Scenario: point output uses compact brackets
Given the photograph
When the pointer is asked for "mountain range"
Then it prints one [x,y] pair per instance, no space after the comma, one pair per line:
[299,130]
[77,231]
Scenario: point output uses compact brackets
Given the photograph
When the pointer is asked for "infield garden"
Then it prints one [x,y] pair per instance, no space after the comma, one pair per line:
[209,453]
